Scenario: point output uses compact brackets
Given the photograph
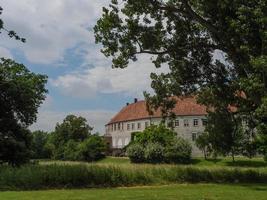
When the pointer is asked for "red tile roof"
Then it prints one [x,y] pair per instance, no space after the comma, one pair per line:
[185,106]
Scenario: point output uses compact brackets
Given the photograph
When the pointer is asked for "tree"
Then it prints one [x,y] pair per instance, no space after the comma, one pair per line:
[73,130]
[92,149]
[21,93]
[10,33]
[155,134]
[186,35]
[39,145]
[203,143]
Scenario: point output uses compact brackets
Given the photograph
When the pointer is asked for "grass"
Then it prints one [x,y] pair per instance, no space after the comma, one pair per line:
[172,192]
[36,177]
[199,162]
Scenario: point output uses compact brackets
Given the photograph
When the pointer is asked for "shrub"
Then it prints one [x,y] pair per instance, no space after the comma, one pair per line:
[71,151]
[92,149]
[158,144]
[179,151]
[136,153]
[154,153]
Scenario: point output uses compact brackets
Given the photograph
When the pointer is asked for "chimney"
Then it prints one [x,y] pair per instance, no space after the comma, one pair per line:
[127,104]
[135,100]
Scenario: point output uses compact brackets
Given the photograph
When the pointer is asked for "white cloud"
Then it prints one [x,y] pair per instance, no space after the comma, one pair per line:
[4,52]
[47,118]
[131,81]
[51,26]
[96,118]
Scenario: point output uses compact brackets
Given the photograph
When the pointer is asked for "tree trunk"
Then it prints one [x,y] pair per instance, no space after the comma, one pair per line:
[233,156]
[205,154]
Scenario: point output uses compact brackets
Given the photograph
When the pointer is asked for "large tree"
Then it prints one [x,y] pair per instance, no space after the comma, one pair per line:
[21,93]
[68,135]
[188,36]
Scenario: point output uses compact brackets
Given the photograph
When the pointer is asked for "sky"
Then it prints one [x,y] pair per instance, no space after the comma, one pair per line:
[60,43]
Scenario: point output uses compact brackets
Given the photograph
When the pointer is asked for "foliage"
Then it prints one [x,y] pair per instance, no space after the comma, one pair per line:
[155,134]
[71,151]
[15,144]
[73,128]
[154,153]
[188,36]
[67,136]
[39,145]
[92,148]
[157,144]
[22,92]
[203,143]
[179,151]
[33,177]
[11,33]
[136,153]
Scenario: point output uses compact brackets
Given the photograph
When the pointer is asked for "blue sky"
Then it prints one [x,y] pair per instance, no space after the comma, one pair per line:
[60,43]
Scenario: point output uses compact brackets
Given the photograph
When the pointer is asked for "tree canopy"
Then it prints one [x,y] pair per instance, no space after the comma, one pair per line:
[21,93]
[188,36]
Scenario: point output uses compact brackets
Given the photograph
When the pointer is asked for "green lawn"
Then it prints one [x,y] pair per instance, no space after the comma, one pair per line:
[173,192]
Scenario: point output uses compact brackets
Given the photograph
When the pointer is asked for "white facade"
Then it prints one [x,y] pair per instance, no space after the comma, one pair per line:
[187,127]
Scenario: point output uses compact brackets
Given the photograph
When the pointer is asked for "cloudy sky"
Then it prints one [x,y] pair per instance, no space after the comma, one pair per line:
[60,43]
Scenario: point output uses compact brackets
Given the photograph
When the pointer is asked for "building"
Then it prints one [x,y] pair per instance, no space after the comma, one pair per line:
[190,121]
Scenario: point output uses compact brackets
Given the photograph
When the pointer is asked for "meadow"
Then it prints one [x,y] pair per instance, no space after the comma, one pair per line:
[242,162]
[119,172]
[171,192]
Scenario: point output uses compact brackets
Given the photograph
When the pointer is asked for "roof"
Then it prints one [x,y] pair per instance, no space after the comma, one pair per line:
[186,106]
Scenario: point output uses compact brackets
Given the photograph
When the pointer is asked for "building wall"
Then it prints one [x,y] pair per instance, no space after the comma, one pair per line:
[184,126]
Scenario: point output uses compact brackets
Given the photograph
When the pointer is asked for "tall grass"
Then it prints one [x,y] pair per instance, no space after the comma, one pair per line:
[33,177]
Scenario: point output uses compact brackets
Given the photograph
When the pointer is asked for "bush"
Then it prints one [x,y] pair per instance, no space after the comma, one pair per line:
[154,153]
[71,151]
[158,144]
[92,149]
[179,151]
[136,153]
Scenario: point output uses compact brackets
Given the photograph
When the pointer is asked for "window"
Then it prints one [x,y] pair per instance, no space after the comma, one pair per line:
[194,136]
[170,124]
[119,126]
[176,122]
[115,127]
[139,125]
[146,124]
[195,122]
[128,127]
[133,126]
[204,122]
[186,122]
